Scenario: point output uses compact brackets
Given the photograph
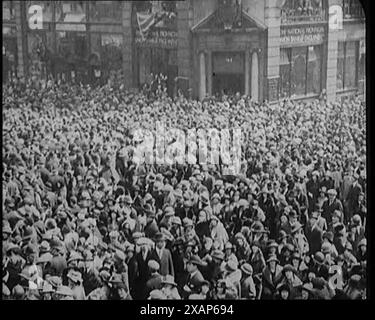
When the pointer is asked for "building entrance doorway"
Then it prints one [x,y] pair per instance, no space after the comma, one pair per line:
[228,73]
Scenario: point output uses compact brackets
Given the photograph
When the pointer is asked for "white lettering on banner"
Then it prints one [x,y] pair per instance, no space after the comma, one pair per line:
[302,34]
[163,38]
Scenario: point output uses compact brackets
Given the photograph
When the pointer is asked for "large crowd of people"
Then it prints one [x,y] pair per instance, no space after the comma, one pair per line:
[82,220]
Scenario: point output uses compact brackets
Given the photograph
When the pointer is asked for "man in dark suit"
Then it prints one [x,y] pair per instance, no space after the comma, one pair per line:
[330,205]
[142,258]
[151,228]
[194,278]
[162,256]
[352,198]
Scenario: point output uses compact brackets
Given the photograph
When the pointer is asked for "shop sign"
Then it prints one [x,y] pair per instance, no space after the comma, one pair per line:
[157,38]
[301,34]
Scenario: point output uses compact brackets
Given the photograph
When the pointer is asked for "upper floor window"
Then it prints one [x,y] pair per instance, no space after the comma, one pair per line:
[8,11]
[155,14]
[105,11]
[293,11]
[352,9]
[70,11]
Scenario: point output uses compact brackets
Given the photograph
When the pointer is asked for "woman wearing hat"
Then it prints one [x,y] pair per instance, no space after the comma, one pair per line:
[291,279]
[228,253]
[299,240]
[271,276]
[248,290]
[218,232]
[75,284]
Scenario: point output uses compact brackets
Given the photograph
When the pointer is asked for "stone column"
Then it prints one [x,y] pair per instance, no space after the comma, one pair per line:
[184,40]
[255,76]
[209,73]
[127,51]
[21,38]
[272,20]
[247,72]
[202,75]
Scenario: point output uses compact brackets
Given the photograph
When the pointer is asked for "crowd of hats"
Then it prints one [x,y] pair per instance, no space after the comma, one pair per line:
[78,213]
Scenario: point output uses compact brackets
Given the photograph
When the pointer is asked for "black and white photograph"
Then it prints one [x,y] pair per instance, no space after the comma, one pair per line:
[184,150]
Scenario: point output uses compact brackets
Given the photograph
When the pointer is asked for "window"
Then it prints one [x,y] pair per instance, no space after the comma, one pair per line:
[352,9]
[293,11]
[70,11]
[347,65]
[284,72]
[8,11]
[300,71]
[362,61]
[314,69]
[105,11]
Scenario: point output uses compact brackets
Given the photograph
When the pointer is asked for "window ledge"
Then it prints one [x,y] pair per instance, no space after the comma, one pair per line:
[347,90]
[307,96]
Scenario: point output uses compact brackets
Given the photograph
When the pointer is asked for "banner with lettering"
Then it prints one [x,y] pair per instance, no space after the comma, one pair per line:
[157,38]
[302,35]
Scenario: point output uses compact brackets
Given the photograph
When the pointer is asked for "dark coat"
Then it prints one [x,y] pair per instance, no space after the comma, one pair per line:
[194,282]
[328,209]
[154,283]
[166,262]
[151,229]
[143,276]
[270,281]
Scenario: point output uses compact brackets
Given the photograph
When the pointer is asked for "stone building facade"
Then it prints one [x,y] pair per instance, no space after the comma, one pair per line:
[268,49]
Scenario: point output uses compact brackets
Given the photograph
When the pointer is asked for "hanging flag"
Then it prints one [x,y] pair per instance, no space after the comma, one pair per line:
[145,22]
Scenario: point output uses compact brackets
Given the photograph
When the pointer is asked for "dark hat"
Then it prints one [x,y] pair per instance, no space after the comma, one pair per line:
[282,235]
[196,260]
[178,242]
[272,257]
[318,283]
[257,226]
[340,229]
[328,235]
[159,237]
[318,207]
[289,267]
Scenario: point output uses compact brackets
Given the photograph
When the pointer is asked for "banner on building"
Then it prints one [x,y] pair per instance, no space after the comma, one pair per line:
[157,38]
[302,34]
